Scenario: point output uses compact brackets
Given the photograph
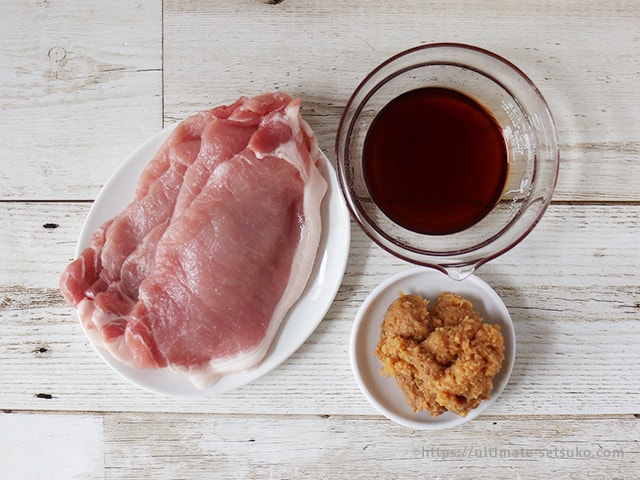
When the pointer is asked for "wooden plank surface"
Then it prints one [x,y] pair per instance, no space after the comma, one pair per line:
[320,446]
[576,318]
[80,88]
[83,83]
[364,447]
[31,444]
[572,53]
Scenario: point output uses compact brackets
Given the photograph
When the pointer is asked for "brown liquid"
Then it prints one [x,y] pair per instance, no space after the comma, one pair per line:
[435,161]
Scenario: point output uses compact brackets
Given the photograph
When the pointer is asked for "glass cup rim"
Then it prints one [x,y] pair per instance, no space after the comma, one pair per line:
[465,259]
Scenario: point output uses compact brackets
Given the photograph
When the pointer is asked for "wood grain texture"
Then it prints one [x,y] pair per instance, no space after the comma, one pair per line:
[77,94]
[170,446]
[195,446]
[320,51]
[58,447]
[576,316]
[365,447]
[83,83]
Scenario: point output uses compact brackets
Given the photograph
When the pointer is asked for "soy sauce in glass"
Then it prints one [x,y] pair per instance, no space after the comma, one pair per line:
[435,161]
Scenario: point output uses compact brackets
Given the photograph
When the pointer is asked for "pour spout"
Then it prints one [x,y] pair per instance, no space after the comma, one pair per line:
[460,272]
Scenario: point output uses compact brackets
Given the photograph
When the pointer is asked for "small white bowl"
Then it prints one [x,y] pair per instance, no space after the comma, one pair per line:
[383,392]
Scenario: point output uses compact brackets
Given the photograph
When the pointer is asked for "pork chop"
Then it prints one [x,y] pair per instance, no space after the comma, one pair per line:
[199,271]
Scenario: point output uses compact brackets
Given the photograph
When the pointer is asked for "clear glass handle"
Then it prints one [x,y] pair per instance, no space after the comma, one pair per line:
[460,272]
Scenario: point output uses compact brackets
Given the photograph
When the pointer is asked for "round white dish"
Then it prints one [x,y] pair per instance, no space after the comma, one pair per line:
[301,320]
[383,392]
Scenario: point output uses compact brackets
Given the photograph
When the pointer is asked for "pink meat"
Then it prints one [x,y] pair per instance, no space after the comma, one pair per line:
[199,271]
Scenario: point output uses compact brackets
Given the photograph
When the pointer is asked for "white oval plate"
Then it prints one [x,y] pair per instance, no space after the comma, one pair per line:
[383,392]
[301,320]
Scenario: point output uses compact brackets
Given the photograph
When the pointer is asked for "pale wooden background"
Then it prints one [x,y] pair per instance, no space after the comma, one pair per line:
[83,83]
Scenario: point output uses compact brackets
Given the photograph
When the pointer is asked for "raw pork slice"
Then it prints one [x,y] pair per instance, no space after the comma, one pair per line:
[201,268]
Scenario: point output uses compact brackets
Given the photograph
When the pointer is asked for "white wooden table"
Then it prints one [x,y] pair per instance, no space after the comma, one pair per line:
[83,83]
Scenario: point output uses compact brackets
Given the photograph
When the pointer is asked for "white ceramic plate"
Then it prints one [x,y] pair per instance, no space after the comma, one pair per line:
[302,319]
[383,392]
